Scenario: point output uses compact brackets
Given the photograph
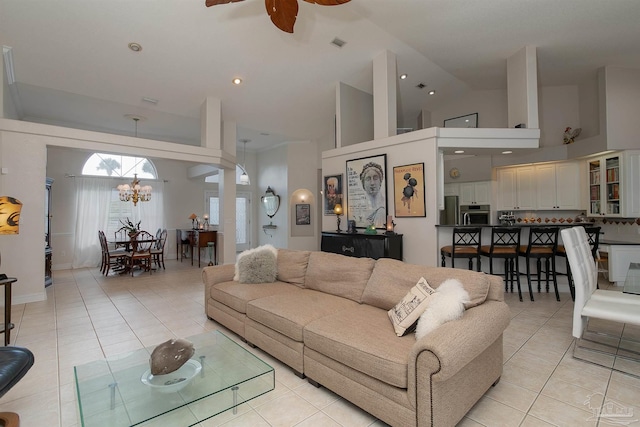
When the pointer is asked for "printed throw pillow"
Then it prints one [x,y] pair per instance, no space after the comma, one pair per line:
[258,265]
[406,313]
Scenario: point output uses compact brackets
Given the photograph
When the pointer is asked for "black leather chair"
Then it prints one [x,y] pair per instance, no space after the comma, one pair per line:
[14,364]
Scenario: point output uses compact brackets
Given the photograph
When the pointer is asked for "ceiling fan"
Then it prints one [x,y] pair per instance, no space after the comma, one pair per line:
[282,12]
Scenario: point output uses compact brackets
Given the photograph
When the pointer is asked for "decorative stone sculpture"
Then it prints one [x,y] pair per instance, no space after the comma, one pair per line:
[170,356]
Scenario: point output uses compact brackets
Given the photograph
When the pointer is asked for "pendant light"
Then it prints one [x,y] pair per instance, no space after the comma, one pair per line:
[244,178]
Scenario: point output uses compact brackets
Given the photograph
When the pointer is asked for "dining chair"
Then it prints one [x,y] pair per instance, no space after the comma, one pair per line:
[593,235]
[157,251]
[543,245]
[505,243]
[465,244]
[593,303]
[110,257]
[140,254]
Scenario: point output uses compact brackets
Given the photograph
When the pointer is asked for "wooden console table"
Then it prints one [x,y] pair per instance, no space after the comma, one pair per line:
[7,326]
[198,239]
[363,245]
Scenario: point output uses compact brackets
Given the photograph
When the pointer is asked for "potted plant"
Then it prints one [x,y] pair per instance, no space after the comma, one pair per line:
[131,228]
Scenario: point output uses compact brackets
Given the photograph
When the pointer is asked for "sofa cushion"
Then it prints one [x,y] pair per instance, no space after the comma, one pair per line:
[289,313]
[339,275]
[292,266]
[257,265]
[236,295]
[405,314]
[363,339]
[391,280]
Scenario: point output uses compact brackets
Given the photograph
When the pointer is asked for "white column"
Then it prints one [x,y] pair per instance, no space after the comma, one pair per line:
[227,193]
[385,114]
[211,123]
[522,88]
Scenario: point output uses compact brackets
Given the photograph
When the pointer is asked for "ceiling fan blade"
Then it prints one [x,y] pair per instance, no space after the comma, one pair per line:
[210,3]
[283,13]
[328,2]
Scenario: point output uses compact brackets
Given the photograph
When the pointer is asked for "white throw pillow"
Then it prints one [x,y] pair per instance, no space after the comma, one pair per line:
[445,305]
[257,265]
[406,313]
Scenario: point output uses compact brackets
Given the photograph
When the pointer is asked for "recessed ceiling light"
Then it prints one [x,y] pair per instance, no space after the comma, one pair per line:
[507,152]
[136,47]
[237,81]
[432,92]
[403,76]
[459,152]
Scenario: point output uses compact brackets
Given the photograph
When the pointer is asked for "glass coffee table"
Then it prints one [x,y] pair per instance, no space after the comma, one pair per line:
[632,281]
[111,392]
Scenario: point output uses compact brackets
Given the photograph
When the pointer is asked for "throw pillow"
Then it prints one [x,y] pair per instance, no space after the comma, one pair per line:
[258,265]
[445,305]
[406,313]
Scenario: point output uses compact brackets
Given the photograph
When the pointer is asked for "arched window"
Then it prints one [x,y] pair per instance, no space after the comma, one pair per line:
[115,165]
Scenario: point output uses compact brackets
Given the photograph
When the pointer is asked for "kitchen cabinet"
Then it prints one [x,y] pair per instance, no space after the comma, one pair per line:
[475,193]
[516,188]
[557,186]
[614,185]
[452,189]
[620,255]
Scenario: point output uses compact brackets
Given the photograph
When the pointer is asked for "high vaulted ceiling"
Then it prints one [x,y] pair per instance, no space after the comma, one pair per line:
[73,67]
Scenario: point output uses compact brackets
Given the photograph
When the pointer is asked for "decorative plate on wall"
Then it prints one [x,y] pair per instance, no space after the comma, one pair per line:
[454,173]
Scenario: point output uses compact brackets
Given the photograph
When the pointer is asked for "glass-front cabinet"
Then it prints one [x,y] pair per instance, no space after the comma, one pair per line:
[614,185]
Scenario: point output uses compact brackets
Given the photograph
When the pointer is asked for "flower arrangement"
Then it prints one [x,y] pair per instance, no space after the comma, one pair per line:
[130,226]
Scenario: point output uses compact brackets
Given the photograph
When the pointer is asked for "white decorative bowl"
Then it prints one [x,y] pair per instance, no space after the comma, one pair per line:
[173,381]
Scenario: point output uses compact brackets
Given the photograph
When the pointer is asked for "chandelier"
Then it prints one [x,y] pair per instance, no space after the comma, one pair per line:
[134,192]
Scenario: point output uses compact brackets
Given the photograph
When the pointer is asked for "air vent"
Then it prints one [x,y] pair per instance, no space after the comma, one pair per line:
[338,42]
[421,86]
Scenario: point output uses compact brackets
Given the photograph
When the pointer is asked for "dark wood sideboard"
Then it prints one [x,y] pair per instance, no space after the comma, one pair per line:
[197,240]
[363,245]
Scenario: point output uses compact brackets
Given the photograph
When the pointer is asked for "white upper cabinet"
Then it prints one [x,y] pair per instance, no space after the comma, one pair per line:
[475,193]
[516,188]
[558,186]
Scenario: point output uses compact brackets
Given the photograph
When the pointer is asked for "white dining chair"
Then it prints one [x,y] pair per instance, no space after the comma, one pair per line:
[590,302]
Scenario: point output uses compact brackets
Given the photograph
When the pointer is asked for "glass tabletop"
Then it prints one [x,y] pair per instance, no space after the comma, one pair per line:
[111,391]
[632,281]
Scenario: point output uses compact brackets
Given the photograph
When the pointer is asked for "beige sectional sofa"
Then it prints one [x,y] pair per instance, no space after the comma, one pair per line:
[325,316]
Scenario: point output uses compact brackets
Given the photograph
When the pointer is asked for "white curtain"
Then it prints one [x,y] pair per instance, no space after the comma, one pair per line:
[98,207]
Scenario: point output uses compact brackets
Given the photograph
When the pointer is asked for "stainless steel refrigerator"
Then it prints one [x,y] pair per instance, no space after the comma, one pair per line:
[450,215]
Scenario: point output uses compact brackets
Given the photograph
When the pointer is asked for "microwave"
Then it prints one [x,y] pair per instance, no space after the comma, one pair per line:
[475,214]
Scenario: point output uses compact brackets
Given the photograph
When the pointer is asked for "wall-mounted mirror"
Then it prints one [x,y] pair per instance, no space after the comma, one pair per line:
[270,202]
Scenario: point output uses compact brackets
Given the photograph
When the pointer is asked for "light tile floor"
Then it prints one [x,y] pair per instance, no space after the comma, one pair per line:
[87,316]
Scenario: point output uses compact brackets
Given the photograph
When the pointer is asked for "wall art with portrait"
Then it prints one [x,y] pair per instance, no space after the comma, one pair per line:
[332,192]
[408,190]
[303,214]
[367,191]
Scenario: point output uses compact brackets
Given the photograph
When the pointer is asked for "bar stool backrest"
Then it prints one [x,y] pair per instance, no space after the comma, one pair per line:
[505,237]
[467,236]
[593,235]
[543,237]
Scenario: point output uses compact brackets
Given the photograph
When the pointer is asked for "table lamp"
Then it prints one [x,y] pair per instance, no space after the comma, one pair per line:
[10,208]
[337,209]
[193,217]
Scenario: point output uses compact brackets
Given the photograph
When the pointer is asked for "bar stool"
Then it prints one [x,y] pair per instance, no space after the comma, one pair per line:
[593,235]
[543,244]
[466,244]
[505,244]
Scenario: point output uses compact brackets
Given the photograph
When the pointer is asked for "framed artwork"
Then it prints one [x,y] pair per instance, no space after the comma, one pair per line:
[303,214]
[408,190]
[468,121]
[367,191]
[332,192]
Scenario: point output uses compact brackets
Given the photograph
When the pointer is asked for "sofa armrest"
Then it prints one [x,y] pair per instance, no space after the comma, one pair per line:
[216,274]
[454,344]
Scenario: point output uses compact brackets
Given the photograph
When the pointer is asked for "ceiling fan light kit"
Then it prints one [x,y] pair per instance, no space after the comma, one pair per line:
[283,13]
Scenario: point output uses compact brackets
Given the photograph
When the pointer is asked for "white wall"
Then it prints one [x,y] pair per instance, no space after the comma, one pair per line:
[354,115]
[420,239]
[559,109]
[623,105]
[491,106]
[272,172]
[302,165]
